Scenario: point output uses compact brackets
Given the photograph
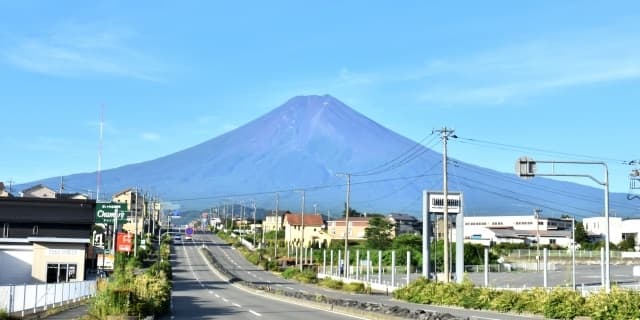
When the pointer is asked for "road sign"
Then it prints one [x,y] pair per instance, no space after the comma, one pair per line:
[105,212]
[435,201]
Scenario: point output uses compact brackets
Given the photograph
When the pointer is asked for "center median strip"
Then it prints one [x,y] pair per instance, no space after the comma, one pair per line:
[346,306]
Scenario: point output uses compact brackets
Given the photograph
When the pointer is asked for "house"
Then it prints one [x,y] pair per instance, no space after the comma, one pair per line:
[404,223]
[44,239]
[357,227]
[302,229]
[136,206]
[272,222]
[3,191]
[38,191]
[76,195]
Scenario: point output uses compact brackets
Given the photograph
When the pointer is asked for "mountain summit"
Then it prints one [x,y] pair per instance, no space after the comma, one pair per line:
[304,143]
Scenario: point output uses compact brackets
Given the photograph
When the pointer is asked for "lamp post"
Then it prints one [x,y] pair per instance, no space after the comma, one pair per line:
[526,168]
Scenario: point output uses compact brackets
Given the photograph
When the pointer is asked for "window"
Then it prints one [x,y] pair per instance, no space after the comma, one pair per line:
[35,231]
[552,241]
[61,272]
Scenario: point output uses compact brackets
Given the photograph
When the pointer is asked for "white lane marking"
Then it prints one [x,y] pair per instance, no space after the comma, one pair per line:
[217,295]
[225,300]
[292,288]
[210,292]
[255,313]
[237,305]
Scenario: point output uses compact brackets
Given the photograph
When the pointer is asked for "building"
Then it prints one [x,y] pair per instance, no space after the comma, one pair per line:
[44,239]
[136,206]
[619,229]
[490,230]
[3,191]
[357,227]
[404,223]
[272,222]
[38,191]
[295,228]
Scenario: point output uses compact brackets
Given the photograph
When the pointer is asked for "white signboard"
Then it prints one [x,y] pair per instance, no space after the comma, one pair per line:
[435,201]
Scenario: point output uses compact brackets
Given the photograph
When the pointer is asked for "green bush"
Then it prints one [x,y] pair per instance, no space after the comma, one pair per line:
[356,287]
[332,284]
[619,304]
[289,273]
[563,304]
[505,301]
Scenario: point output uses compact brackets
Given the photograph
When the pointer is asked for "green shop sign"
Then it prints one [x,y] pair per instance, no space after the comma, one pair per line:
[106,212]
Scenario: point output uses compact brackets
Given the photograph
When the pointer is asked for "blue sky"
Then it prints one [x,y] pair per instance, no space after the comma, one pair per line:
[557,76]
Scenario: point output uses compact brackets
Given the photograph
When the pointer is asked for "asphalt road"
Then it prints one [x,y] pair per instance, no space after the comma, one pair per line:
[240,267]
[200,293]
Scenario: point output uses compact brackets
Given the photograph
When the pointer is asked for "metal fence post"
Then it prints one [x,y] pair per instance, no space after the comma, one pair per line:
[408,267]
[368,265]
[380,266]
[393,268]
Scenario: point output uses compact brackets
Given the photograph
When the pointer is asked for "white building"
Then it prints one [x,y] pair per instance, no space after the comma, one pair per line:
[619,229]
[489,230]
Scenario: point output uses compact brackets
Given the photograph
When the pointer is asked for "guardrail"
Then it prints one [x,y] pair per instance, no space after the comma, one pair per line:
[27,298]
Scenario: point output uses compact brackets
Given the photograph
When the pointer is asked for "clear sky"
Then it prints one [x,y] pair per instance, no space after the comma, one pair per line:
[559,76]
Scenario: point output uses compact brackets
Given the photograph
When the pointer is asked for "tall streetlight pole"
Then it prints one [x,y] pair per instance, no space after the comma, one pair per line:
[346,220]
[527,168]
[445,133]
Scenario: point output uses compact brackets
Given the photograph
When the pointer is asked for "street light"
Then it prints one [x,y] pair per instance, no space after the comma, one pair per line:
[527,167]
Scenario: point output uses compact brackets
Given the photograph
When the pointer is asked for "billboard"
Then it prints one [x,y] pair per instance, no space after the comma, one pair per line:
[124,241]
[105,212]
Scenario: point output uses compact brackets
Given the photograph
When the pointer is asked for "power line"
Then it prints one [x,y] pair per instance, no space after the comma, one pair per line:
[510,147]
[317,187]
[405,157]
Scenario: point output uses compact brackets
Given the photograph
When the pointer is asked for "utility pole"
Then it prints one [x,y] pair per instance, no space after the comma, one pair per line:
[573,252]
[536,214]
[302,222]
[445,133]
[253,203]
[315,208]
[135,234]
[61,185]
[346,221]
[275,246]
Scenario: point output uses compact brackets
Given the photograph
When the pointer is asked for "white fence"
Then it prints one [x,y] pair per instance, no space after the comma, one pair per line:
[38,297]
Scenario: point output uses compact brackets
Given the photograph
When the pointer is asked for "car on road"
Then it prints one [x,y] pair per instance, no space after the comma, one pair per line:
[177,238]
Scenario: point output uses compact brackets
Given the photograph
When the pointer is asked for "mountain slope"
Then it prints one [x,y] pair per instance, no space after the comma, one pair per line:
[306,142]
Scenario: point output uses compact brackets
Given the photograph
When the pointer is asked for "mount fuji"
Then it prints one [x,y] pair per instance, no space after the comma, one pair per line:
[306,143]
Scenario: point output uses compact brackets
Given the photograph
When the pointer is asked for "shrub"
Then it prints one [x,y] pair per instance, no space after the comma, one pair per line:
[330,283]
[564,304]
[619,304]
[289,273]
[505,301]
[357,287]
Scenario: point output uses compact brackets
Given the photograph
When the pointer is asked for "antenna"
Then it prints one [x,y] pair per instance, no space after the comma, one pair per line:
[99,154]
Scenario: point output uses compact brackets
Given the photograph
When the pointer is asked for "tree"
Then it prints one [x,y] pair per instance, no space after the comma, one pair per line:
[581,235]
[352,212]
[378,233]
[627,244]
